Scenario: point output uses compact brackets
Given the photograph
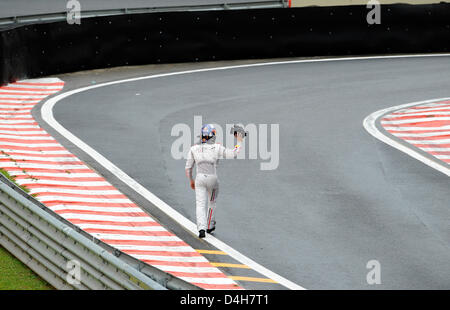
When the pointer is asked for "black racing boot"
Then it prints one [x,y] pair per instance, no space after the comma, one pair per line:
[211,230]
[201,233]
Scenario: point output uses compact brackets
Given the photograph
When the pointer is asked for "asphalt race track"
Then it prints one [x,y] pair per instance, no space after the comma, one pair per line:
[338,199]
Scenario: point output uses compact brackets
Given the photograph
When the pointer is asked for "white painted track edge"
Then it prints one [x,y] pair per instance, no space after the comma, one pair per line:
[369,124]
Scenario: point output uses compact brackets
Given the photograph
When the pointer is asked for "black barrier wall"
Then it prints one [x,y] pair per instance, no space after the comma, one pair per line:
[52,48]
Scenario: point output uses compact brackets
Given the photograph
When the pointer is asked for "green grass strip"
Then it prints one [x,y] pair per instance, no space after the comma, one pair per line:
[14,275]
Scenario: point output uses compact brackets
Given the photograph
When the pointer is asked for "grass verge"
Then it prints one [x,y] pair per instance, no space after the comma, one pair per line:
[14,275]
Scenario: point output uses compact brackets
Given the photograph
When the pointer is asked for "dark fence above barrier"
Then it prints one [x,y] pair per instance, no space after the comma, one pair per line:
[53,48]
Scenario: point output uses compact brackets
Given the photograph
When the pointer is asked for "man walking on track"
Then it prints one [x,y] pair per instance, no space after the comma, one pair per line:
[206,155]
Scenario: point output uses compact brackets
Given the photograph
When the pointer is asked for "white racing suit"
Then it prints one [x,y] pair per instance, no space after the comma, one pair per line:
[206,156]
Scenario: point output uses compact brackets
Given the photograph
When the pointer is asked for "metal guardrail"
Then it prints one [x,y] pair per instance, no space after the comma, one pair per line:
[62,16]
[54,248]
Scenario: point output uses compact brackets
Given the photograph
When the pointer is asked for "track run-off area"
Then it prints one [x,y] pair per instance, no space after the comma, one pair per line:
[338,199]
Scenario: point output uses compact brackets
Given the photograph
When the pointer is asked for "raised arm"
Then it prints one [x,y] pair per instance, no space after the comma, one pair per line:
[231,153]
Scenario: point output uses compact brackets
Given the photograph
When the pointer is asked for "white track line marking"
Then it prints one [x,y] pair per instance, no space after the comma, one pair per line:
[370,125]
[47,116]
